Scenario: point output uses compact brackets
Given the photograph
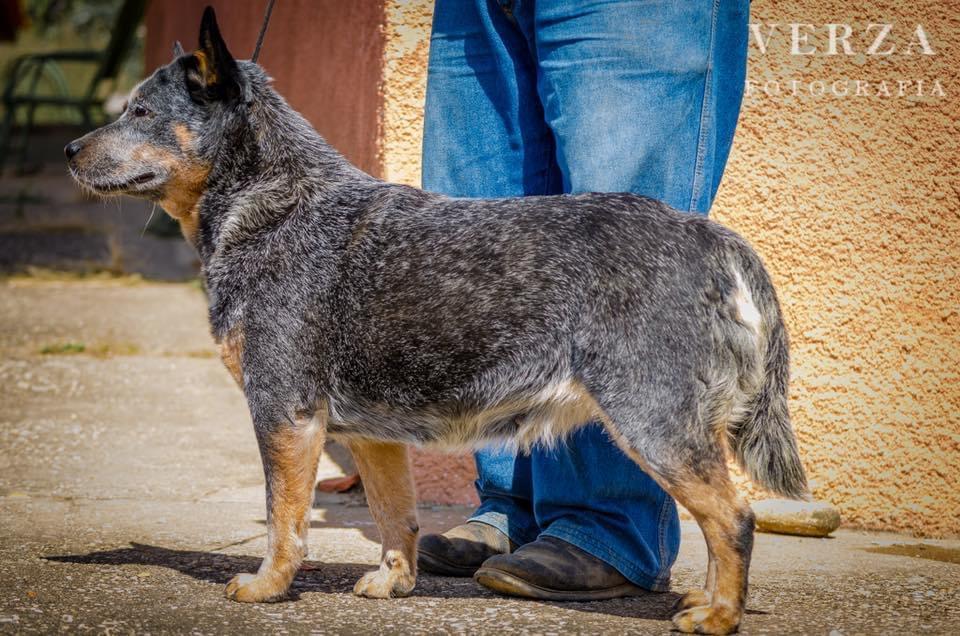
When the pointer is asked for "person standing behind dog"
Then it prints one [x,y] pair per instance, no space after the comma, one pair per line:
[537,97]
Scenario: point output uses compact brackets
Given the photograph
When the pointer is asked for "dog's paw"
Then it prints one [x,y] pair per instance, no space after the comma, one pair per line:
[693,598]
[707,620]
[384,583]
[252,588]
[394,578]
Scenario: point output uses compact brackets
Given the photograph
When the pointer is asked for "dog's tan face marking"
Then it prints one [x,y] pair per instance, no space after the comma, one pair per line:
[186,178]
[151,151]
[115,162]
[387,481]
[185,138]
[290,454]
[187,184]
[173,175]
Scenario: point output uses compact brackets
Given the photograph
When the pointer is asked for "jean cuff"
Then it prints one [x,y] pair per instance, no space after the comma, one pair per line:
[519,535]
[659,582]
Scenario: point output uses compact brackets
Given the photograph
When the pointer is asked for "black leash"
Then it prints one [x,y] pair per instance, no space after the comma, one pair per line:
[263,31]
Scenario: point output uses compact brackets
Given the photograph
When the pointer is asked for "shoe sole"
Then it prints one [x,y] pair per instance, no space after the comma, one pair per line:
[505,583]
[434,564]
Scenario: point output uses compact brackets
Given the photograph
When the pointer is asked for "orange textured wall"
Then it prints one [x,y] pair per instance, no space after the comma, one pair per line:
[854,203]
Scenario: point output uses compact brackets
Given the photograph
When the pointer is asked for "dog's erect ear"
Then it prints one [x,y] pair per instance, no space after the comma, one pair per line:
[212,73]
[178,51]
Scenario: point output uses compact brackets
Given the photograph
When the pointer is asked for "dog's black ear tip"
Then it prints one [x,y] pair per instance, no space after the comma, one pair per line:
[209,15]
[208,24]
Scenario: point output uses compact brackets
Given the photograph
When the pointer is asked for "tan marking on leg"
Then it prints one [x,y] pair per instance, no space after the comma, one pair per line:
[231,354]
[693,598]
[710,586]
[722,516]
[720,513]
[385,473]
[290,455]
[701,596]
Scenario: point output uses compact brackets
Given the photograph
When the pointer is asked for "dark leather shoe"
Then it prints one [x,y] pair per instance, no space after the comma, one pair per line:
[459,551]
[554,570]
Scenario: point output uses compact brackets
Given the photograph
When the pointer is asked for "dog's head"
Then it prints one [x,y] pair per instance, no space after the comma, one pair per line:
[162,146]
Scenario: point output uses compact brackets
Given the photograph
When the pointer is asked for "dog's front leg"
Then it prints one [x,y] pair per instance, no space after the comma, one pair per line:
[290,450]
[385,473]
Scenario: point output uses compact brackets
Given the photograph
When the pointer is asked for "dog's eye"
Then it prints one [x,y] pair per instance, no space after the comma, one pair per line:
[139,110]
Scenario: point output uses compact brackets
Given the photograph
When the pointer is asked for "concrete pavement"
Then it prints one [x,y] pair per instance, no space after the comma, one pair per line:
[130,492]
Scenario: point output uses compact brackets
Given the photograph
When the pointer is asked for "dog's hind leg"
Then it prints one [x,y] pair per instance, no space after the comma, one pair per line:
[701,596]
[388,483]
[695,474]
[727,524]
[290,451]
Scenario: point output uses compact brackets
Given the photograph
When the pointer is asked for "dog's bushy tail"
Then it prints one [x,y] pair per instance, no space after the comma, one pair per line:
[763,441]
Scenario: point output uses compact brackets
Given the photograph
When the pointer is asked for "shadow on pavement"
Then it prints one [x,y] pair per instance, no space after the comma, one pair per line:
[338,578]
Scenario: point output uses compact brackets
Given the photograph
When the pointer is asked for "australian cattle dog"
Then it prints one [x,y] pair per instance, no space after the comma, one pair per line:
[385,316]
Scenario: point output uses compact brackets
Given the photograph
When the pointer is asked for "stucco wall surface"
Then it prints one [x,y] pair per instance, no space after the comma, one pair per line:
[854,203]
[405,49]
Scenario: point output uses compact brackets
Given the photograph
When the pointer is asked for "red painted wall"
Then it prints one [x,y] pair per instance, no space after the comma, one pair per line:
[324,55]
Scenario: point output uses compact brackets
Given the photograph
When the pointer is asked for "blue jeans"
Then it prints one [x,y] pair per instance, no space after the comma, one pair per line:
[533,97]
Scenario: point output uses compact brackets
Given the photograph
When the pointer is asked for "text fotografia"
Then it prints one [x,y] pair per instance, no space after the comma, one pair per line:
[869,41]
[845,88]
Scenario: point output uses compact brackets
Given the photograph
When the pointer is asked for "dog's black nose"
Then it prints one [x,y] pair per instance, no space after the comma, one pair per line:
[71,149]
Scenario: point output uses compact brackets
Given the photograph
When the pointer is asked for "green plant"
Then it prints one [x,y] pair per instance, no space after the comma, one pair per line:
[64,348]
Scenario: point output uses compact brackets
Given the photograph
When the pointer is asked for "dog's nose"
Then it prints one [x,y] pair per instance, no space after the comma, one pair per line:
[71,149]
